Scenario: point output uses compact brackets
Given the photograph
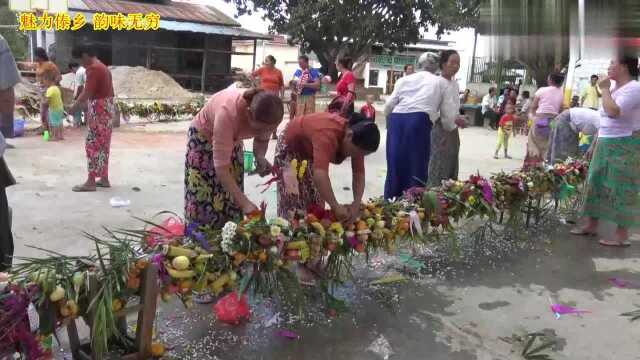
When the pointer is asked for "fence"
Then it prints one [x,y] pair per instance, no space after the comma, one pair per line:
[487,70]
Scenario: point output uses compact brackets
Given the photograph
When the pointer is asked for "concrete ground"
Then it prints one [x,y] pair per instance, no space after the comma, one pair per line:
[462,317]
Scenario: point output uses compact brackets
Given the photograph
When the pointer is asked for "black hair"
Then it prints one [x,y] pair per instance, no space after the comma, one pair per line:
[502,91]
[631,62]
[73,65]
[78,50]
[303,57]
[271,58]
[41,53]
[346,62]
[366,134]
[445,55]
[526,94]
[556,78]
[492,89]
[267,107]
[406,66]
[594,76]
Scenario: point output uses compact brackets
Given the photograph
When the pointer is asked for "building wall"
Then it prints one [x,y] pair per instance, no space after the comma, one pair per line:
[286,57]
[127,49]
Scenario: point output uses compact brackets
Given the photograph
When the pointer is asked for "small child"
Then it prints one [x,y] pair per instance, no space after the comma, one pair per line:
[505,130]
[368,111]
[584,142]
[53,99]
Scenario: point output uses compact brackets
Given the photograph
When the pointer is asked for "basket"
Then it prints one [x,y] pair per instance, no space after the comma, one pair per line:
[249,163]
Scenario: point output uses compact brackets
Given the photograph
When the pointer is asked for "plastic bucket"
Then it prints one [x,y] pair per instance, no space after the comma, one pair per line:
[249,163]
[18,127]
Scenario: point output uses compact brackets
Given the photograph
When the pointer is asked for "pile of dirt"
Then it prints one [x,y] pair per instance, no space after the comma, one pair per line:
[26,88]
[141,83]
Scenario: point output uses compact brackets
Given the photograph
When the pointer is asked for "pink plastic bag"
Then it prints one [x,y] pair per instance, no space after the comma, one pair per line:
[168,230]
[231,310]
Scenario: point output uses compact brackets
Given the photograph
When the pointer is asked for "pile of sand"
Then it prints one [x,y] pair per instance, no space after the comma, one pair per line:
[141,83]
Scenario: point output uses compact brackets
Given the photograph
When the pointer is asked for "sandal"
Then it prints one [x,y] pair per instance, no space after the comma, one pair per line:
[102,185]
[83,188]
[582,232]
[612,243]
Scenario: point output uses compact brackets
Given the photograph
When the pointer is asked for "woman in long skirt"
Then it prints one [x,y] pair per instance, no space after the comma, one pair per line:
[214,171]
[318,140]
[613,184]
[98,93]
[445,141]
[416,103]
[546,105]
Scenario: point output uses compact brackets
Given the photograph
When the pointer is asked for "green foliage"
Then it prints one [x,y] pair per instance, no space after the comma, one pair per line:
[18,41]
[331,28]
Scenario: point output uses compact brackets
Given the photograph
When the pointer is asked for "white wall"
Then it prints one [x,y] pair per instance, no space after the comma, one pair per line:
[286,57]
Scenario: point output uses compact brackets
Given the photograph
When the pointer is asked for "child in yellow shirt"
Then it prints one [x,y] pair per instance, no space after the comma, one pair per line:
[53,98]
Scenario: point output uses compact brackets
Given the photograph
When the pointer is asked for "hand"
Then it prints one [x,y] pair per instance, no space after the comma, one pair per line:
[249,208]
[342,213]
[604,83]
[263,167]
[461,121]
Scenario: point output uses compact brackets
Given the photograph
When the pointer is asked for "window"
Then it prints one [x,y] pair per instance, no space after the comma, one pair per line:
[373,77]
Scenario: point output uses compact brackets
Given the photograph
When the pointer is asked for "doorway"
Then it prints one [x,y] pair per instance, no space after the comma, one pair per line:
[392,77]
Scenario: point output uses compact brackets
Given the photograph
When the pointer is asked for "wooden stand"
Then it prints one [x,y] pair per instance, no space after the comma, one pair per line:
[146,310]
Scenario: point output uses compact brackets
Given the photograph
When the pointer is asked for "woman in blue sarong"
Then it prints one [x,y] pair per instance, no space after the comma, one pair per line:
[414,106]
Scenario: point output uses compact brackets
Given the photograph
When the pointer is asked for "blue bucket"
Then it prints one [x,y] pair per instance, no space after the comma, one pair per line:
[18,127]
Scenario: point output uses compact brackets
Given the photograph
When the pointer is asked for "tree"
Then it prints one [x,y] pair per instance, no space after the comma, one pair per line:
[333,28]
[534,33]
[18,41]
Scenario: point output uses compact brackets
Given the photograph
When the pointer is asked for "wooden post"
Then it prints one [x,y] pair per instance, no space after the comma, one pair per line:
[146,310]
[473,56]
[146,316]
[255,46]
[148,60]
[203,77]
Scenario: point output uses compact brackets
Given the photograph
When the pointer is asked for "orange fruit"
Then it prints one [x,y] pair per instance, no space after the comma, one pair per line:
[157,349]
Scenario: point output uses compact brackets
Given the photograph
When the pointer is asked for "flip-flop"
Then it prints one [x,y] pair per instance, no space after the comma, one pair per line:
[82,188]
[611,243]
[582,232]
[102,185]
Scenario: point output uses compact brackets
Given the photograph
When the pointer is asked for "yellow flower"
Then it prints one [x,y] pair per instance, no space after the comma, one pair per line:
[294,167]
[303,168]
[472,200]
[275,230]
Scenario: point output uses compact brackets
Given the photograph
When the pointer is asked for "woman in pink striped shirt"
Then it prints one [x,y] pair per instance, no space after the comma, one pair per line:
[214,168]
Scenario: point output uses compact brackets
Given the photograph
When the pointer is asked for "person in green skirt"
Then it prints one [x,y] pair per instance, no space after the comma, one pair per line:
[613,184]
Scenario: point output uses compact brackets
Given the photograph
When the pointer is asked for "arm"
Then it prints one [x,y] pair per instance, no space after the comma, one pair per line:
[351,90]
[231,186]
[610,107]
[82,98]
[313,85]
[323,183]
[357,182]
[534,106]
[260,146]
[393,100]
[78,92]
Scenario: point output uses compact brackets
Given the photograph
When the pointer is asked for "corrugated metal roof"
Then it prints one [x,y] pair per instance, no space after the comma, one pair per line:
[173,11]
[234,31]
